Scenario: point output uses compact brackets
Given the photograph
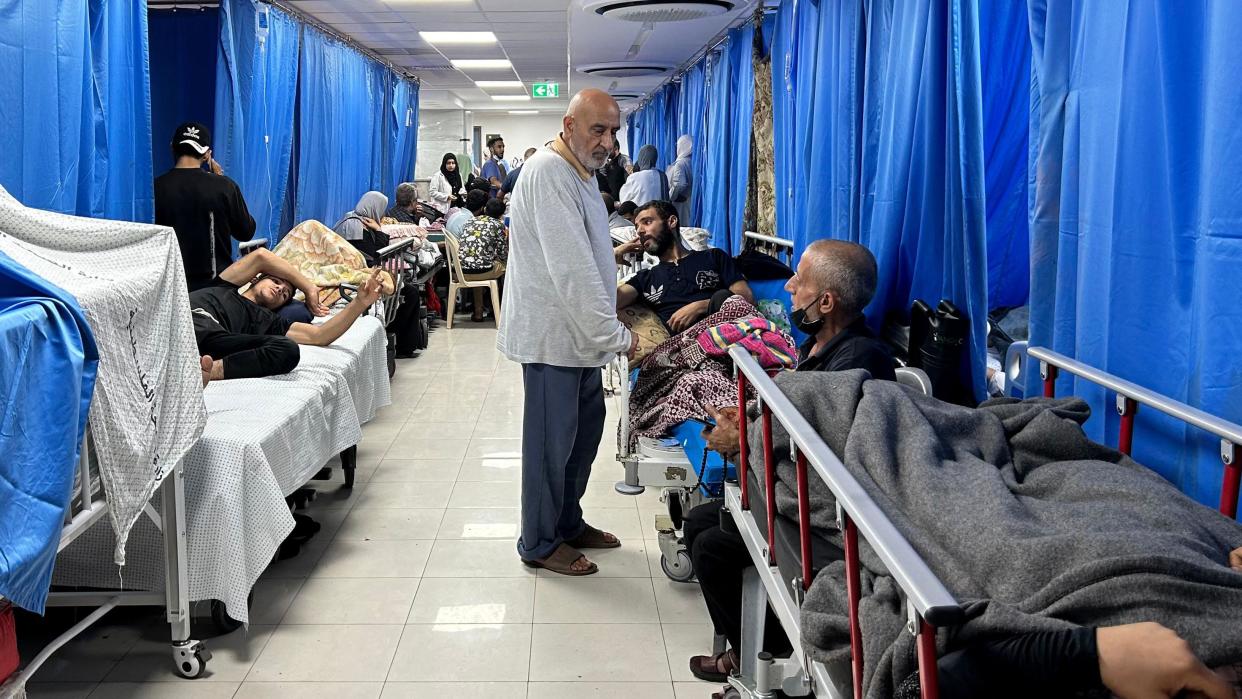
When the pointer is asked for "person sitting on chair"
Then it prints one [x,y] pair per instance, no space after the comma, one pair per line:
[835,281]
[239,333]
[681,287]
[484,247]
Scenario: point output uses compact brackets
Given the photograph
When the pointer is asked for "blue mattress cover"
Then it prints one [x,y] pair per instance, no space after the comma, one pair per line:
[47,377]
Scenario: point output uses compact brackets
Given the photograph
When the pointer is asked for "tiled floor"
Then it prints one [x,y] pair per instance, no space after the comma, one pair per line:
[413,587]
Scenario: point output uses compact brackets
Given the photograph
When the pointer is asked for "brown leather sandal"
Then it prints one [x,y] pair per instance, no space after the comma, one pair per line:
[592,538]
[714,668]
[562,561]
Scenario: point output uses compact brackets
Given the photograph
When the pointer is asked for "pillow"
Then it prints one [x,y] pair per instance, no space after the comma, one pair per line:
[295,312]
[775,304]
[644,323]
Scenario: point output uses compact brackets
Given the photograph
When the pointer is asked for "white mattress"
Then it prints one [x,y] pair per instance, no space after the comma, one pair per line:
[264,439]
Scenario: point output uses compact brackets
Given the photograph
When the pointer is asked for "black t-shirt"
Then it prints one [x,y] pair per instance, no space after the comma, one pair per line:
[193,202]
[236,313]
[855,347]
[668,287]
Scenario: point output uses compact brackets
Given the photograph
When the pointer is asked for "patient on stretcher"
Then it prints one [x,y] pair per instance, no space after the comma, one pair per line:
[239,333]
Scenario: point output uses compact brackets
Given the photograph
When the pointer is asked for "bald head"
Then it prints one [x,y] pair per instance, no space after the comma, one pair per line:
[590,126]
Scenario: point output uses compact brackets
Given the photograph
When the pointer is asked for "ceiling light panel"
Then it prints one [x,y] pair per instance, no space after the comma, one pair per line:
[523,111]
[458,37]
[480,63]
[511,98]
[499,83]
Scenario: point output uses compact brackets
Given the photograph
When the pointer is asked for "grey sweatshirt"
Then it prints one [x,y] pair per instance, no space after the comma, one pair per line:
[560,305]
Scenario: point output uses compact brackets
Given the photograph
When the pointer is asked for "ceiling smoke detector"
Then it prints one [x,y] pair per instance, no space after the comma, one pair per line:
[624,69]
[659,10]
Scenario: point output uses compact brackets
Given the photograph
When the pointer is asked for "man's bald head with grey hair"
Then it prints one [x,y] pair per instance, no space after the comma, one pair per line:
[844,269]
[590,127]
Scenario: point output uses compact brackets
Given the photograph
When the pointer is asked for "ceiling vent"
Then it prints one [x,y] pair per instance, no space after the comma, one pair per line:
[624,96]
[624,69]
[659,10]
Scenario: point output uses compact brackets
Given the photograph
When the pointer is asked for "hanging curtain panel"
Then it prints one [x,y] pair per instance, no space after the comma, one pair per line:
[342,113]
[403,132]
[183,75]
[1136,221]
[256,88]
[717,149]
[75,107]
[690,121]
[741,107]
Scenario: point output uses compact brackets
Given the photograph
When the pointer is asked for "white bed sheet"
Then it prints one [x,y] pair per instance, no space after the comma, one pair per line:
[264,439]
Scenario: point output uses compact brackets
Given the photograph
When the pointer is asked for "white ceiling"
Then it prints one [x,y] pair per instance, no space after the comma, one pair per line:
[542,39]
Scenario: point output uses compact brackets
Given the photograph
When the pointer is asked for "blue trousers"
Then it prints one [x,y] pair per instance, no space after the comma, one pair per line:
[561,429]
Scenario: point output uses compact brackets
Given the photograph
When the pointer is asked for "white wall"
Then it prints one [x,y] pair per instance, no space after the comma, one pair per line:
[439,131]
[519,131]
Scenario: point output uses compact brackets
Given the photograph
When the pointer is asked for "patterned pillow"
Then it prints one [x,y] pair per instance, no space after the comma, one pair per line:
[644,323]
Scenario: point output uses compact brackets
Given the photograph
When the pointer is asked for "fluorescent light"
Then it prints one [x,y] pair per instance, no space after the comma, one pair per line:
[511,98]
[523,111]
[499,83]
[467,63]
[458,37]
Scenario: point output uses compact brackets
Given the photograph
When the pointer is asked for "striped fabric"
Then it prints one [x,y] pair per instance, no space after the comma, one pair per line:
[772,349]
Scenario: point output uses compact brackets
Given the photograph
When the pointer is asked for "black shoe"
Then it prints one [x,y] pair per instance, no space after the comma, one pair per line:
[304,528]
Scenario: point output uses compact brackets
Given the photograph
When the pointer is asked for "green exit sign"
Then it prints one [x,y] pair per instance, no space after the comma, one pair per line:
[545,91]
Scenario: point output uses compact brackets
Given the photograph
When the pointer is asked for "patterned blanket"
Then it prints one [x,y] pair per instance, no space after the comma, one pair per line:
[326,258]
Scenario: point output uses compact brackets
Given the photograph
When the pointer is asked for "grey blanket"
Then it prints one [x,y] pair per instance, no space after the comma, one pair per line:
[1030,524]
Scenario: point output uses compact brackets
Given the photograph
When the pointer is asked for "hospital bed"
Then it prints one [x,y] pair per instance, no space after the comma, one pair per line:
[786,554]
[783,558]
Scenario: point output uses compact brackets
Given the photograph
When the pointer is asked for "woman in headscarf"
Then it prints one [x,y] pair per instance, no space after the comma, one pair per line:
[681,181]
[446,185]
[361,227]
[648,182]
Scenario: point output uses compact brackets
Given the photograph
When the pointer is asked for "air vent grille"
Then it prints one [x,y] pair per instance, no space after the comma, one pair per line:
[660,10]
[623,69]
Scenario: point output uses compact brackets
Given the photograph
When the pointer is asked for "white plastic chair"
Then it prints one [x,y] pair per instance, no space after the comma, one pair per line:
[458,281]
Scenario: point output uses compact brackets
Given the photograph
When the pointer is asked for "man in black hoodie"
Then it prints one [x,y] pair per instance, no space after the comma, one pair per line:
[205,208]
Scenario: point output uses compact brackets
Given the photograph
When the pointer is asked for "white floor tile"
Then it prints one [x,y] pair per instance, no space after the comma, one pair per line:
[683,641]
[494,448]
[165,690]
[621,522]
[93,654]
[481,523]
[357,653]
[600,690]
[494,470]
[474,601]
[462,652]
[59,690]
[416,471]
[695,689]
[448,401]
[309,690]
[232,656]
[353,601]
[592,600]
[387,524]
[470,559]
[598,653]
[679,603]
[373,559]
[415,431]
[604,495]
[404,496]
[483,494]
[456,690]
[427,448]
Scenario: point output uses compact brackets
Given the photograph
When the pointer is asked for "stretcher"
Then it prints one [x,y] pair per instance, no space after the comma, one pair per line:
[787,554]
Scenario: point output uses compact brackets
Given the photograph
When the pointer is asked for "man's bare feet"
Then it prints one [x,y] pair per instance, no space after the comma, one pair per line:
[213,369]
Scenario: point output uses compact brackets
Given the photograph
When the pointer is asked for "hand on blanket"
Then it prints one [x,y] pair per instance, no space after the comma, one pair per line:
[688,315]
[1235,559]
[1149,661]
[723,438]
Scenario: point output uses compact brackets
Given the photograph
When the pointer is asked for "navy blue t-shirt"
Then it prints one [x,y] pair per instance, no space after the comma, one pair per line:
[669,286]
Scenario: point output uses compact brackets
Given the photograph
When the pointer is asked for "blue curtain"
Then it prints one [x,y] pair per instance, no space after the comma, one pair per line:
[717,150]
[403,132]
[1136,218]
[342,109]
[739,53]
[183,75]
[690,121]
[75,109]
[1005,59]
[256,83]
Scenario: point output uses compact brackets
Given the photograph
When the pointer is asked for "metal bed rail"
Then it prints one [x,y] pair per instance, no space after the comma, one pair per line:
[1130,396]
[190,657]
[775,247]
[930,604]
[391,258]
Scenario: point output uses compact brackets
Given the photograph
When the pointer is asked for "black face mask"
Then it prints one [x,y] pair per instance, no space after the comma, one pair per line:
[800,321]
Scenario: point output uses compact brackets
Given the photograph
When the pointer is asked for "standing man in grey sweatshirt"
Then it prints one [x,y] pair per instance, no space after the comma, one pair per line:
[560,323]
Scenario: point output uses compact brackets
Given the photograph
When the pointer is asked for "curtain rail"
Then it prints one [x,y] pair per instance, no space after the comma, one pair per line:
[308,20]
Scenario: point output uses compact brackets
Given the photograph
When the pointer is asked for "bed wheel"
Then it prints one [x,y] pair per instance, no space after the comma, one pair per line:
[224,623]
[191,659]
[680,569]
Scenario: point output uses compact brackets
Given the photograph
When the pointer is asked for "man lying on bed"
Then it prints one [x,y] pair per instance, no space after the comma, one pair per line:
[683,287]
[240,334]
